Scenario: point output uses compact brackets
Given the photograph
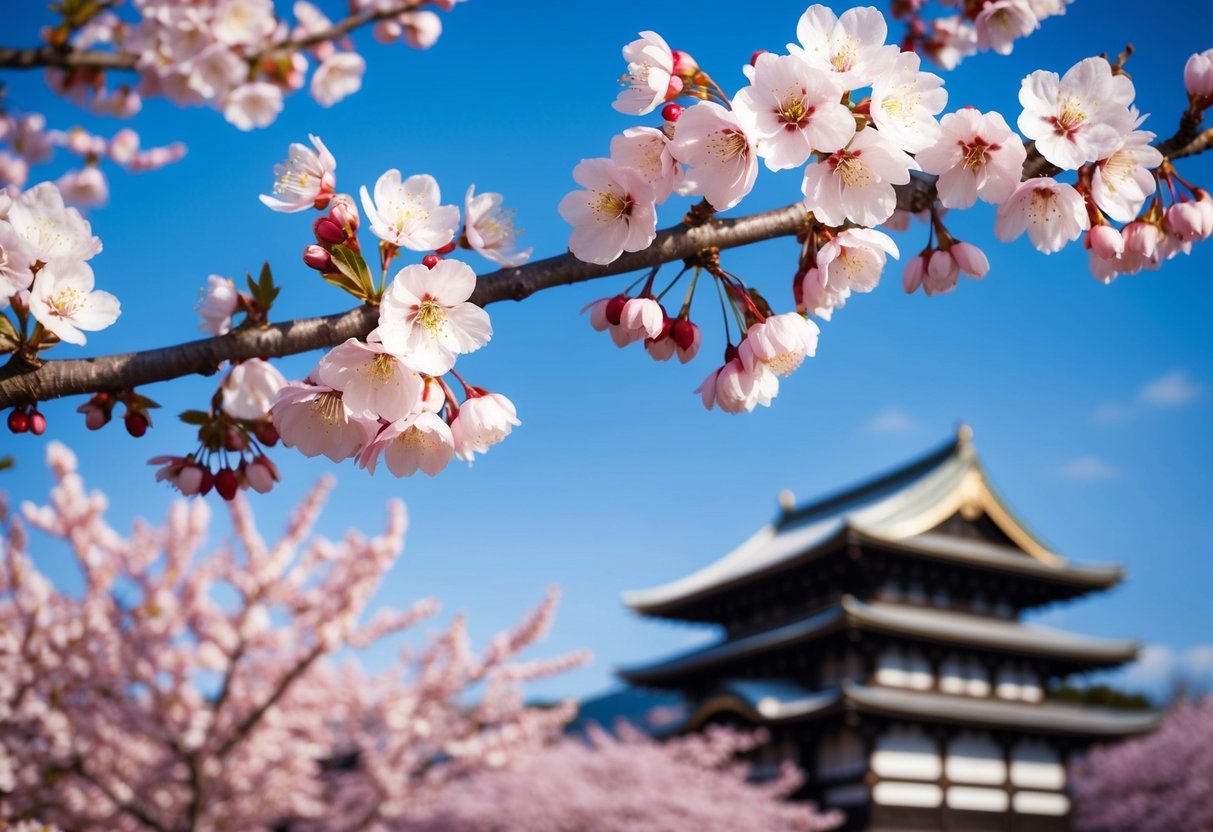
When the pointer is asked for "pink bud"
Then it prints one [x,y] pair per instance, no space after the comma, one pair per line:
[1198,74]
[971,259]
[911,277]
[189,480]
[687,338]
[942,273]
[1185,221]
[95,417]
[386,31]
[1106,242]
[316,257]
[344,212]
[1141,238]
[684,64]
[261,474]
[328,232]
[37,423]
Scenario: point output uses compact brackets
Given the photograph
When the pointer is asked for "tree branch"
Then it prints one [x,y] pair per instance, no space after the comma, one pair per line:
[22,383]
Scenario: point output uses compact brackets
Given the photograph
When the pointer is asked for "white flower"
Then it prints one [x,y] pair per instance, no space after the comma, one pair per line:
[791,109]
[734,389]
[50,230]
[15,262]
[63,301]
[243,22]
[999,23]
[250,389]
[338,76]
[313,419]
[86,186]
[490,229]
[425,318]
[253,105]
[372,382]
[850,48]
[977,155]
[640,318]
[1081,117]
[1198,74]
[302,178]
[952,40]
[1052,213]
[420,440]
[646,150]
[649,75]
[483,421]
[615,213]
[408,213]
[821,299]
[214,72]
[905,102]
[856,184]
[781,342]
[1122,182]
[421,29]
[721,157]
[218,303]
[854,259]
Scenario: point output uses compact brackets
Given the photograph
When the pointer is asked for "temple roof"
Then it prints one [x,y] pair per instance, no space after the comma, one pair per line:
[898,510]
[903,620]
[780,701]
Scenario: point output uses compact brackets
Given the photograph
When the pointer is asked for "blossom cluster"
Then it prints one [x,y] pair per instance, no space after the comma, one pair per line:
[182,687]
[859,119]
[237,56]
[992,25]
[25,141]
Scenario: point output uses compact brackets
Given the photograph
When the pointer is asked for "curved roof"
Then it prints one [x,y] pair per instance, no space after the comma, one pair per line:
[777,701]
[904,620]
[898,509]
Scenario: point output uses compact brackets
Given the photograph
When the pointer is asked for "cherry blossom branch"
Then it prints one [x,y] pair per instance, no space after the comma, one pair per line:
[24,379]
[121,805]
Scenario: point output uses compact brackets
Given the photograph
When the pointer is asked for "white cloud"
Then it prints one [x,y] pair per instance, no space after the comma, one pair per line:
[892,420]
[1174,389]
[1089,468]
[1160,670]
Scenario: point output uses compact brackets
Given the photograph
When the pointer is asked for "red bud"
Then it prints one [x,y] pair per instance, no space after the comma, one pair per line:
[684,333]
[328,232]
[18,422]
[37,423]
[614,309]
[431,260]
[226,483]
[136,424]
[315,257]
[447,249]
[671,112]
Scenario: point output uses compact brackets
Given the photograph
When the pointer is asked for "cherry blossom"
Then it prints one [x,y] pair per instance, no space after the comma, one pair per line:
[408,214]
[15,262]
[649,79]
[952,40]
[425,318]
[1001,22]
[420,29]
[1081,117]
[977,156]
[372,381]
[856,183]
[820,298]
[735,389]
[1053,214]
[854,259]
[64,302]
[420,441]
[489,229]
[305,180]
[250,388]
[338,76]
[1198,74]
[615,213]
[313,419]
[851,47]
[253,105]
[721,157]
[646,150]
[243,22]
[86,186]
[219,301]
[50,230]
[791,109]
[1122,182]
[905,102]
[781,342]
[640,318]
[483,420]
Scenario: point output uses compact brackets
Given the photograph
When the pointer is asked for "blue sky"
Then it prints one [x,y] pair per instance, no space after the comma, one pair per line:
[1090,403]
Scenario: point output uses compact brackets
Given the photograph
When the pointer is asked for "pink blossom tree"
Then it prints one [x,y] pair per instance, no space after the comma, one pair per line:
[604,783]
[1160,781]
[180,692]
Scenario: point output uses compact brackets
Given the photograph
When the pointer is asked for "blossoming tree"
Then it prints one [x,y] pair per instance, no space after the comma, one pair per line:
[858,119]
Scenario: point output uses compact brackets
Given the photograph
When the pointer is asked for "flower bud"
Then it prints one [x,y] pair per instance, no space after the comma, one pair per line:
[1198,74]
[37,423]
[684,64]
[261,474]
[911,277]
[971,259]
[226,483]
[687,338]
[1141,238]
[1106,242]
[328,232]
[614,309]
[136,423]
[942,273]
[316,257]
[189,480]
[344,212]
[267,434]
[18,421]
[431,260]
[671,112]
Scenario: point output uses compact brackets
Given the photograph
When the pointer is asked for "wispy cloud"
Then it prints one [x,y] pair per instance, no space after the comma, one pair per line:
[1160,669]
[1174,388]
[892,420]
[1089,469]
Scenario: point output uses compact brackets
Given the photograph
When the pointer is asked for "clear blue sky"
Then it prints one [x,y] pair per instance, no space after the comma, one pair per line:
[618,479]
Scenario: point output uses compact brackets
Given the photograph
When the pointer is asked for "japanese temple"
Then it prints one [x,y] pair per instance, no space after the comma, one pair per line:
[876,634]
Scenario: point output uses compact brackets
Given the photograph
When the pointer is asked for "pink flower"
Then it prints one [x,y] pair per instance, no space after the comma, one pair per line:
[250,388]
[952,40]
[646,150]
[781,342]
[183,473]
[420,29]
[856,184]
[253,105]
[1198,74]
[15,262]
[722,160]
[850,48]
[687,338]
[260,473]
[338,76]
[977,155]
[649,79]
[50,230]
[419,441]
[914,272]
[425,318]
[313,419]
[1083,117]
[482,421]
[303,179]
[905,102]
[372,381]
[1122,182]
[854,259]
[1052,213]
[408,214]
[63,301]
[243,22]
[218,303]
[971,259]
[615,213]
[734,389]
[999,23]
[86,186]
[791,109]
[821,299]
[490,229]
[641,318]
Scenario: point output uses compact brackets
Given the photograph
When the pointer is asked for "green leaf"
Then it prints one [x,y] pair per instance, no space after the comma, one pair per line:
[7,329]
[195,417]
[351,264]
[345,284]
